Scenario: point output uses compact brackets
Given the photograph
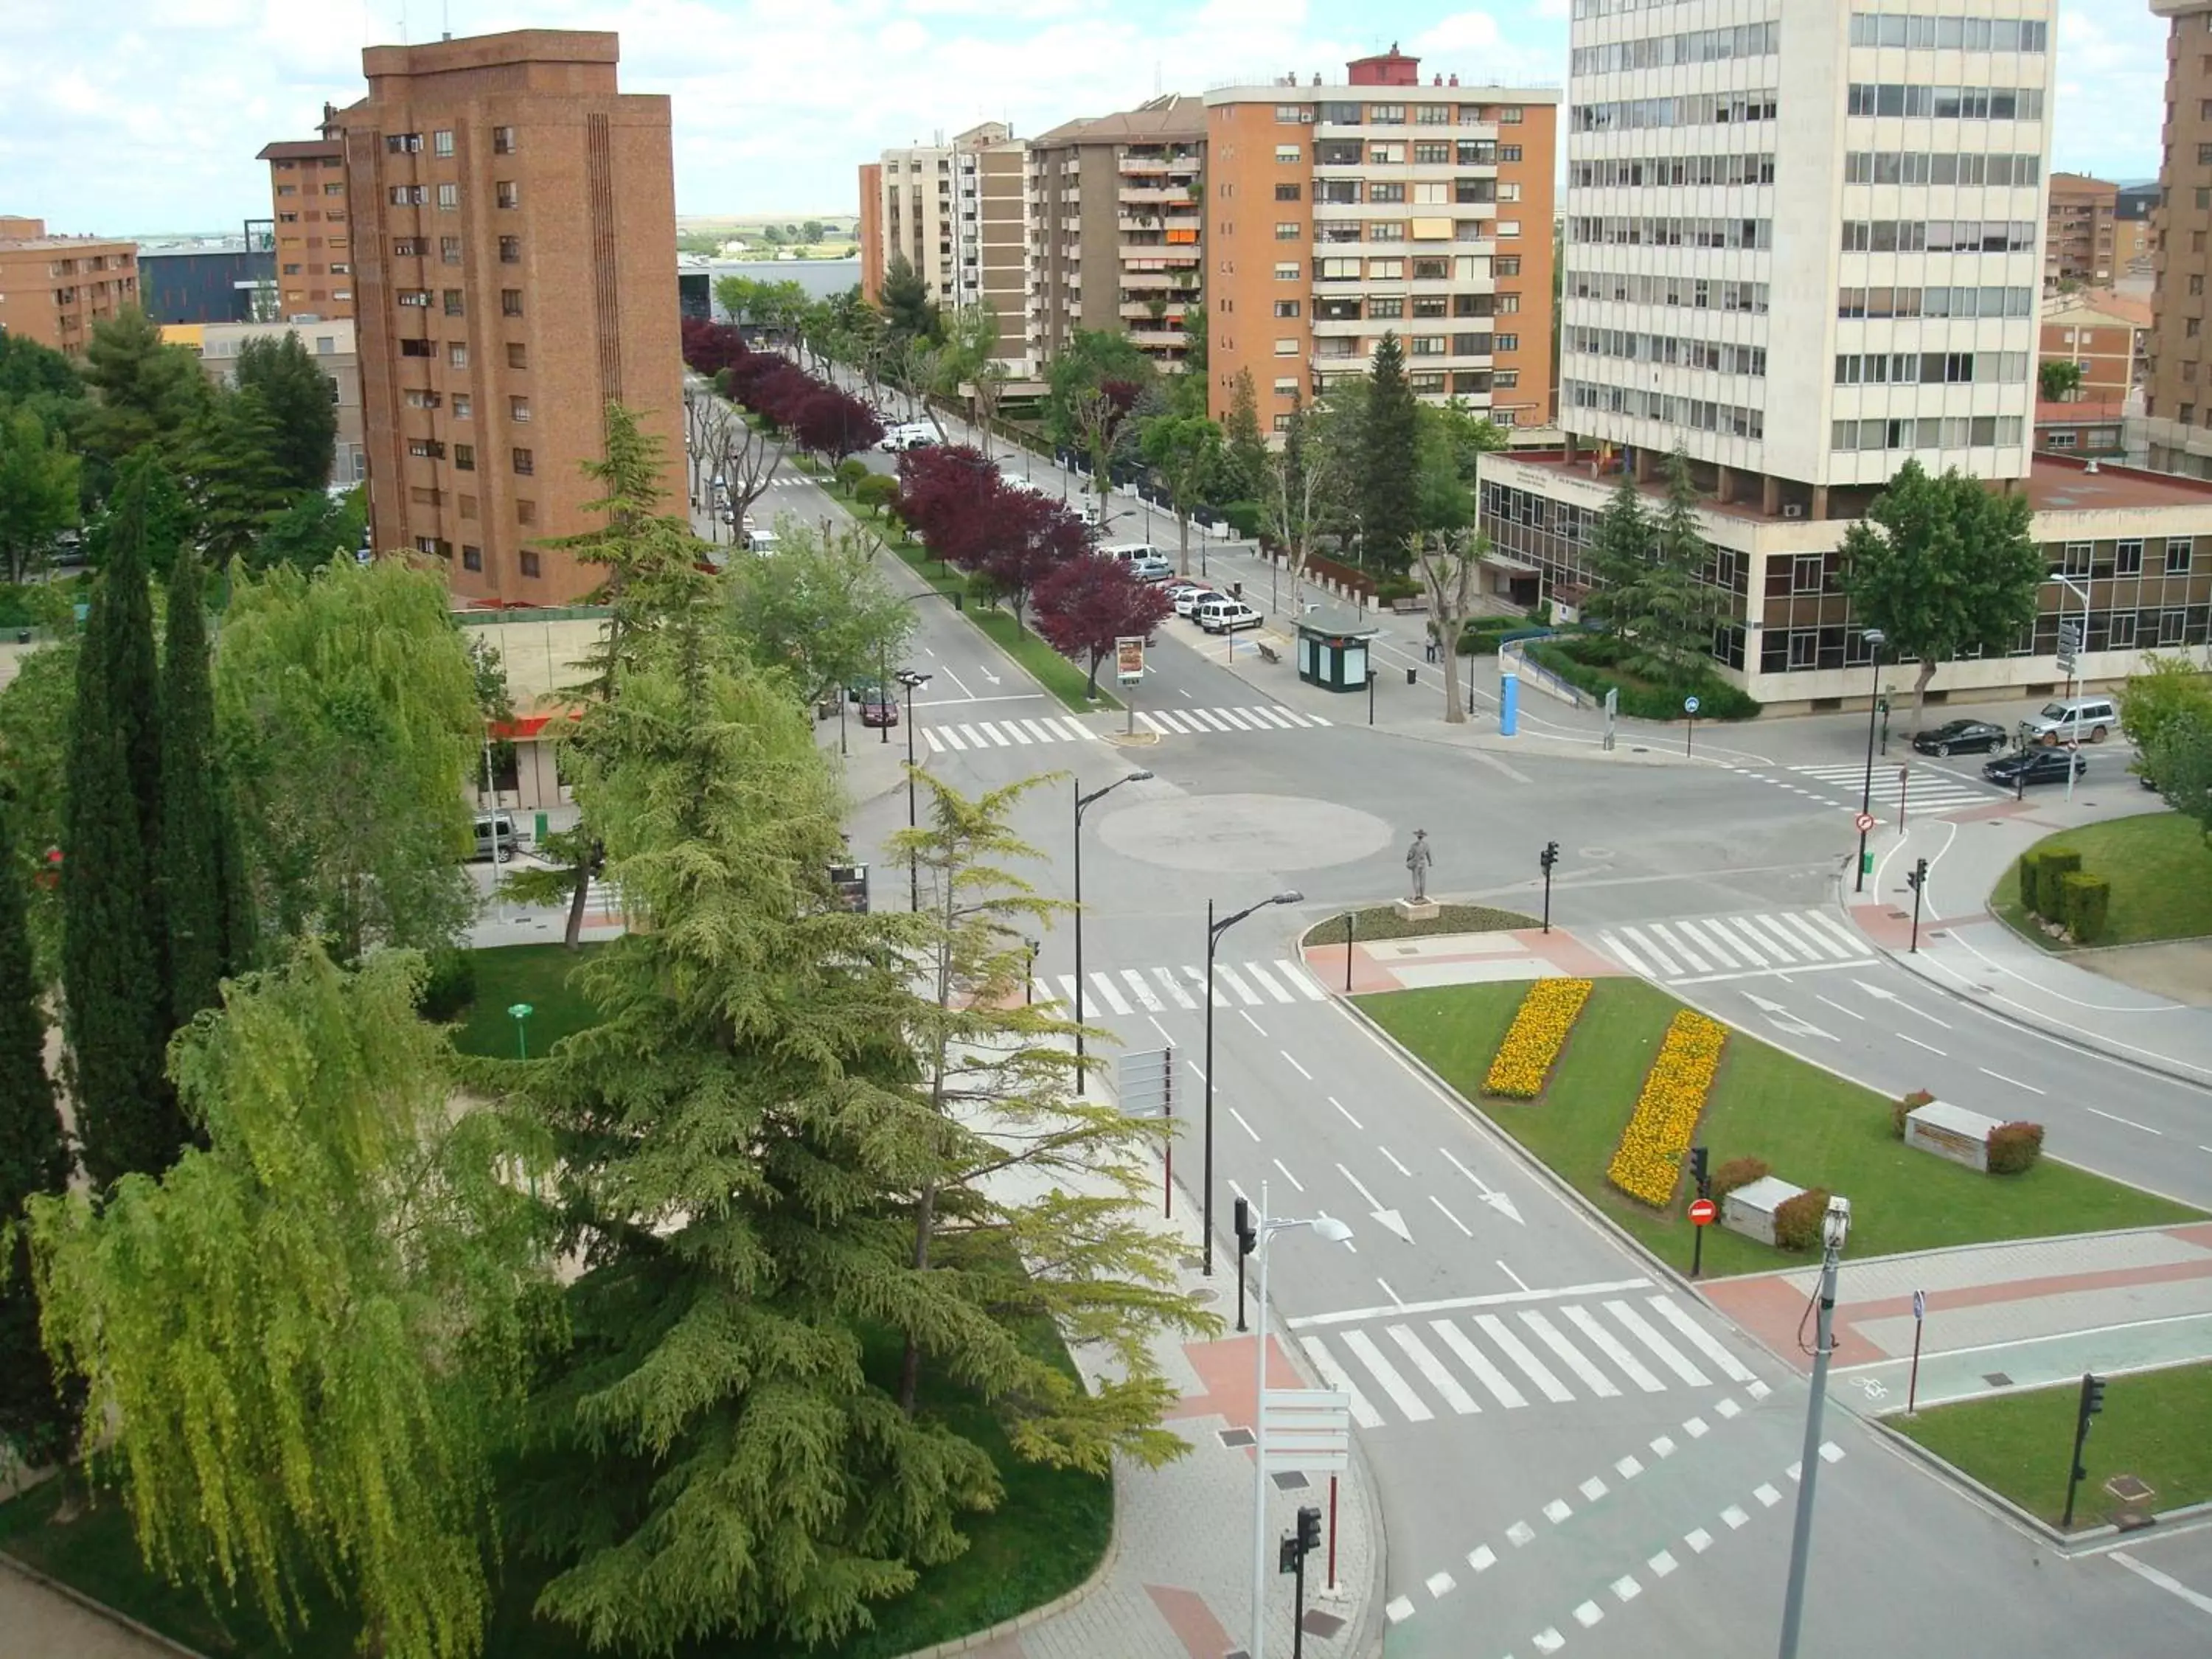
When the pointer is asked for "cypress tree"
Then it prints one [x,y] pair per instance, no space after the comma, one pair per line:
[190,869]
[1387,517]
[34,1418]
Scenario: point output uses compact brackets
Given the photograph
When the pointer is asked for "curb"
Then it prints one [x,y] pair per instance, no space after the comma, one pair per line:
[122,1621]
[1051,1609]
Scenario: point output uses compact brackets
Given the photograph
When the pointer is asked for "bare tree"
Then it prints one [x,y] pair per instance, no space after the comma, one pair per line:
[745,459]
[1294,499]
[699,406]
[1098,418]
[1449,564]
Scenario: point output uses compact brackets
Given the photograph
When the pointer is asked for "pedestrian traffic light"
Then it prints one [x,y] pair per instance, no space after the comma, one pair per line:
[1917,877]
[1308,1529]
[2092,1396]
[1248,1237]
[1697,1176]
[1549,856]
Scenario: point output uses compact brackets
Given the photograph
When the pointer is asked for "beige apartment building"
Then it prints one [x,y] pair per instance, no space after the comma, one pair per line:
[955,213]
[54,288]
[1382,204]
[330,343]
[512,214]
[313,226]
[2080,243]
[1116,228]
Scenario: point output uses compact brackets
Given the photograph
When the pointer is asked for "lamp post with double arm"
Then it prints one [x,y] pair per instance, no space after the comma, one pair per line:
[1873,637]
[1214,930]
[912,681]
[1083,804]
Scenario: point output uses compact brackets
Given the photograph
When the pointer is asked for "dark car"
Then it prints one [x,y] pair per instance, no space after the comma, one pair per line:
[1960,738]
[2038,764]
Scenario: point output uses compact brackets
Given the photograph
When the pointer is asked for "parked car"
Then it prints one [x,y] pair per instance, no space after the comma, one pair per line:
[908,434]
[2071,720]
[495,837]
[1220,616]
[2035,765]
[1152,569]
[762,541]
[1960,737]
[878,707]
[1188,597]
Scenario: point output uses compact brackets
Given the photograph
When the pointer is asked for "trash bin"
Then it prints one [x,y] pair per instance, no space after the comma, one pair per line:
[1413,677]
[1236,590]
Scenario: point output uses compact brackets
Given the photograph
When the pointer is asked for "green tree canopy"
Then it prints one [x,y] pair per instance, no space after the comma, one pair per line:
[39,490]
[37,717]
[147,392]
[1246,447]
[1187,455]
[1652,593]
[316,528]
[234,475]
[301,404]
[1385,484]
[820,610]
[909,312]
[348,726]
[207,936]
[2058,379]
[1092,358]
[1942,566]
[2169,690]
[302,1344]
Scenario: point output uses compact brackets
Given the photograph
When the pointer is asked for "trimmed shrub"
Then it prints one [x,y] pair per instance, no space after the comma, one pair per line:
[2031,872]
[878,491]
[1244,518]
[1797,1222]
[851,471]
[2014,1147]
[450,987]
[1584,661]
[2052,866]
[2084,901]
[1902,1109]
[1738,1172]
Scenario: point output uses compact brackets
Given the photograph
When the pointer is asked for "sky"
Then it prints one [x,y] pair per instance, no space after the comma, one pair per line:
[150,121]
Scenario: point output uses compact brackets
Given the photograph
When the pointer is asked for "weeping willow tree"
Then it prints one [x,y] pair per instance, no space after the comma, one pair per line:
[301,1345]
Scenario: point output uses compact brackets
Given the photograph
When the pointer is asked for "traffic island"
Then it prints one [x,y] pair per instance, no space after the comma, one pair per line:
[2157,869]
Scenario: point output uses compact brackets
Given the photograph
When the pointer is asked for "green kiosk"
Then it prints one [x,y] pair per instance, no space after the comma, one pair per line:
[1333,645]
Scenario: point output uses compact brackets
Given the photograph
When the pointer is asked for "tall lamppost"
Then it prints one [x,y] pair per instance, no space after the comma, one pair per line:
[1330,1230]
[1873,637]
[1835,1226]
[1214,930]
[1082,805]
[911,680]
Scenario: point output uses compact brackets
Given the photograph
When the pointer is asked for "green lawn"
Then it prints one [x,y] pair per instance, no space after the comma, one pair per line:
[2156,1426]
[536,974]
[1054,672]
[1382,921]
[1814,1128]
[2162,875]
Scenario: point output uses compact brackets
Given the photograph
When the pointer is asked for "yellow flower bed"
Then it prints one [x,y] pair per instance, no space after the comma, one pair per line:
[1525,1060]
[1649,1157]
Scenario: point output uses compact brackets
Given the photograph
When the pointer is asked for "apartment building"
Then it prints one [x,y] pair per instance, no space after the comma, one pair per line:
[955,213]
[513,212]
[2131,232]
[1336,213]
[1806,247]
[2176,427]
[330,343]
[2081,244]
[1116,220]
[54,288]
[2103,333]
[868,232]
[313,228]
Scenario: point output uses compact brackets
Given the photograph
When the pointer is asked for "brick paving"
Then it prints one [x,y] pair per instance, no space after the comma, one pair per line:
[1431,959]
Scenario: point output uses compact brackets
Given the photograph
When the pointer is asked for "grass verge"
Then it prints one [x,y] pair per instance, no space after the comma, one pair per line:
[1382,921]
[2161,870]
[1815,1129]
[536,974]
[2153,1427]
[1054,672]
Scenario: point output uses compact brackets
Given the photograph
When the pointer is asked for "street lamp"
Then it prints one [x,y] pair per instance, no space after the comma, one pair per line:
[909,678]
[520,1014]
[1873,637]
[1082,805]
[1330,1230]
[1029,985]
[1214,930]
[1835,1226]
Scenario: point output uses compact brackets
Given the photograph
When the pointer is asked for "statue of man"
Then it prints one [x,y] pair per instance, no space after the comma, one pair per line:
[1418,857]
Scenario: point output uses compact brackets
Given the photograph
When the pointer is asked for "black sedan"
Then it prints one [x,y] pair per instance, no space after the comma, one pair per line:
[2037,765]
[1960,738]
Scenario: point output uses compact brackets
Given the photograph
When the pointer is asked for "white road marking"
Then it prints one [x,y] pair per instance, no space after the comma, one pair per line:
[1482,1559]
[1142,992]
[1250,1131]
[1497,1298]
[1557,1511]
[1621,953]
[1549,1335]
[1396,1301]
[1757,1390]
[1450,1216]
[1393,1156]
[1348,1117]
[1710,944]
[1363,1413]
[1111,993]
[1287,1175]
[1295,1067]
[1251,1022]
[1906,1036]
[1660,1564]
[1613,1349]
[1548,1640]
[2010,1082]
[1628,1468]
[1734,1515]
[1398,1609]
[1668,1354]
[1521,1533]
[1626,1588]
[1594,1488]
[1223,973]
[1727,1408]
[1831,1452]
[1523,1283]
[2165,1581]
[2127,1122]
[1766,1495]
[1183,998]
[1696,962]
[1517,1351]
[1664,1446]
[1479,1362]
[1433,1369]
[936,745]
[1697,1428]
[1386,1375]
[1440,1585]
[1261,978]
[1698,1539]
[1588,1614]
[951,737]
[1700,1339]
[1301,981]
[1840,1008]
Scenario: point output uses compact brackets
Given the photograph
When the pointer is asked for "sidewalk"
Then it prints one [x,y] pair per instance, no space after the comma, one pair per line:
[1970,954]
[1433,959]
[2000,1317]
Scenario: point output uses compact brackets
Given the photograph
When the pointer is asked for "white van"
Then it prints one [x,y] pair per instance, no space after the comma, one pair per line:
[495,837]
[1225,615]
[2071,720]
[761,542]
[909,434]
[1131,552]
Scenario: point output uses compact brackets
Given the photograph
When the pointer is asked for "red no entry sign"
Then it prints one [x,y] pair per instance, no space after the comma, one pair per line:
[1865,822]
[1702,1212]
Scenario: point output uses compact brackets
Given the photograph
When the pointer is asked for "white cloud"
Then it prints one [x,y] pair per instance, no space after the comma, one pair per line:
[2111,91]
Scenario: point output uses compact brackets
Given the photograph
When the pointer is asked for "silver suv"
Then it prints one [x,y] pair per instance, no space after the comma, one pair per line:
[2071,720]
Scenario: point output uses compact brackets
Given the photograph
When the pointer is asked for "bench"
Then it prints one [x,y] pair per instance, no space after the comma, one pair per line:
[1411,607]
[1267,652]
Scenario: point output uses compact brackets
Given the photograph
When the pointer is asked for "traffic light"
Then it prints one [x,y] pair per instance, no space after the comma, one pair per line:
[1697,1176]
[1308,1529]
[1917,877]
[1549,856]
[1247,1236]
[2092,1396]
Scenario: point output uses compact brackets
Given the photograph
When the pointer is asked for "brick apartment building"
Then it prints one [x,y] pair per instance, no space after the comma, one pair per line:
[2082,240]
[313,228]
[54,288]
[2177,426]
[2106,335]
[955,212]
[1336,213]
[512,214]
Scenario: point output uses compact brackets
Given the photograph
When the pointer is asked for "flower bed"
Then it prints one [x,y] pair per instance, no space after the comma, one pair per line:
[1540,1029]
[1648,1159]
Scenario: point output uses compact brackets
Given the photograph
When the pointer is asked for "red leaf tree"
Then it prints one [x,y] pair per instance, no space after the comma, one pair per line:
[946,497]
[1091,601]
[1027,539]
[831,423]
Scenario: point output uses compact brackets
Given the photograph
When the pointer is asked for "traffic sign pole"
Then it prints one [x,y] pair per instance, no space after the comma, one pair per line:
[1702,1211]
[1912,1383]
[1690,708]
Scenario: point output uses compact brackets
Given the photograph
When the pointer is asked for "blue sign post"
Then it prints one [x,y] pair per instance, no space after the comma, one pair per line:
[1689,707]
[1509,705]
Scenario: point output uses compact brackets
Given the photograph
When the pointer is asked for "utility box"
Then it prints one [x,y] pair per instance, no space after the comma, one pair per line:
[1333,649]
[1951,1132]
[1749,1209]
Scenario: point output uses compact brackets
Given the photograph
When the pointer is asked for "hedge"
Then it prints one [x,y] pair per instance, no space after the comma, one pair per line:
[1797,1220]
[1901,1110]
[2014,1147]
[1737,1172]
[2084,901]
[1717,699]
[878,489]
[2052,866]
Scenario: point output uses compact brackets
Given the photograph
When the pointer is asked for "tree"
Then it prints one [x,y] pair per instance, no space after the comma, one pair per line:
[744,457]
[348,726]
[2058,379]
[30,371]
[1449,565]
[203,930]
[1295,487]
[830,423]
[820,610]
[302,1344]
[811,232]
[2168,691]
[1027,538]
[1189,459]
[37,717]
[115,1000]
[1942,566]
[2180,763]
[35,1415]
[1385,484]
[1032,1206]
[39,486]
[1246,450]
[316,528]
[1091,601]
[1091,358]
[1101,415]
[301,403]
[1656,601]
[909,312]
[233,474]
[148,392]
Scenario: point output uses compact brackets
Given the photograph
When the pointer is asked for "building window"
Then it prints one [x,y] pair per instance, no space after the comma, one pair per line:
[530,565]
[1287,152]
[525,513]
[288,189]
[441,143]
[2077,558]
[526,464]
[2176,556]
[416,399]
[293,218]
[518,354]
[1287,192]
[1508,152]
[449,250]
[457,355]
[292,270]
[1287,271]
[406,247]
[1509,342]
[463,406]
[403,143]
[2127,557]
[333,190]
[518,409]
[418,349]
[453,299]
[1286,308]
[402,195]
[506,193]
[502,140]
[1281,422]
[510,250]
[1506,379]
[1509,227]
[1288,230]
[1286,347]
[472,557]
[413,296]
[510,303]
[449,197]
[430,448]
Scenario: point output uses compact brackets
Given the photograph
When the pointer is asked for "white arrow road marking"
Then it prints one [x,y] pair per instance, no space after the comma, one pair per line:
[1783,1020]
[1890,996]
[988,674]
[1389,1219]
[1497,1200]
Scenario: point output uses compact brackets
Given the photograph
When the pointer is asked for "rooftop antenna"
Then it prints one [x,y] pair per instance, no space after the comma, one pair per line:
[446,20]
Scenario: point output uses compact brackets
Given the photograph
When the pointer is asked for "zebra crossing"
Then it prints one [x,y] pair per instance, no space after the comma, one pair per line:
[945,737]
[1505,1358]
[1155,990]
[1922,789]
[1202,722]
[1733,947]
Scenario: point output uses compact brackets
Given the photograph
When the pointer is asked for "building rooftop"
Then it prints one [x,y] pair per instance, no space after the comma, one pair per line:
[293,150]
[28,234]
[1177,115]
[2100,303]
[2076,414]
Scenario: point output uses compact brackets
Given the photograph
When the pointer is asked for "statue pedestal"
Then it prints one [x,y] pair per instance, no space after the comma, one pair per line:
[1418,910]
